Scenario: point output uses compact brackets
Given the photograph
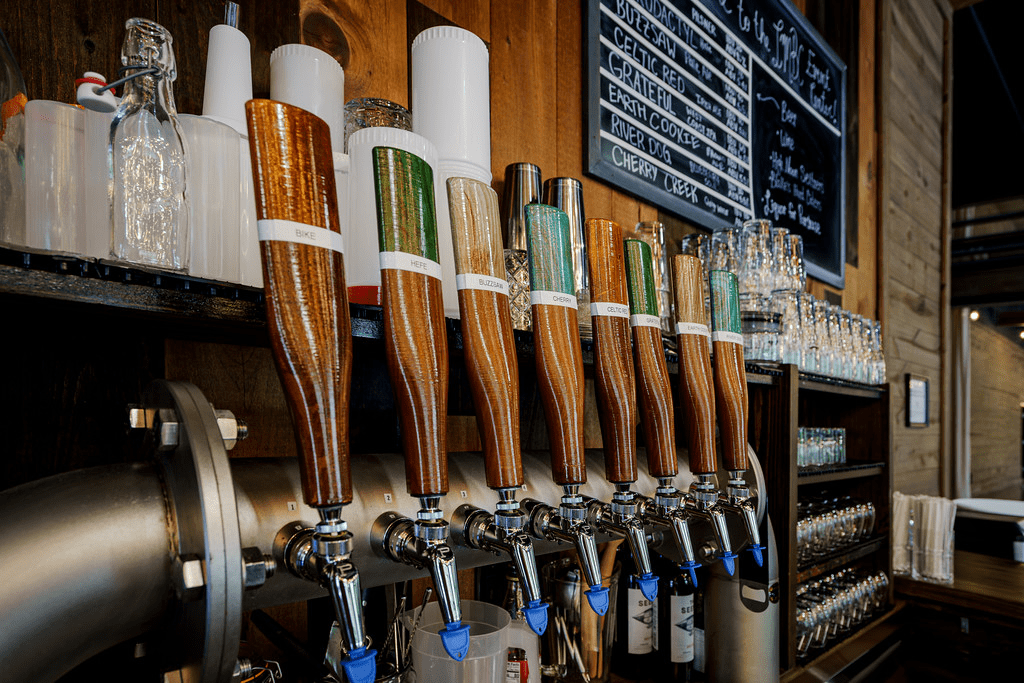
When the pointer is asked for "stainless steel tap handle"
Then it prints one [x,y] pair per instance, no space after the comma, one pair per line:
[523,557]
[636,537]
[703,502]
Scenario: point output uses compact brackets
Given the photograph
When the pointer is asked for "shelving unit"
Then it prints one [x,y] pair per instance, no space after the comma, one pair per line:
[796,400]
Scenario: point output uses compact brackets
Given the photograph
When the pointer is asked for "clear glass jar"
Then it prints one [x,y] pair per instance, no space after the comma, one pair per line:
[147,156]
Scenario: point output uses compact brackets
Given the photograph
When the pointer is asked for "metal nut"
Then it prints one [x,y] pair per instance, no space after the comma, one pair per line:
[258,567]
[189,573]
[232,430]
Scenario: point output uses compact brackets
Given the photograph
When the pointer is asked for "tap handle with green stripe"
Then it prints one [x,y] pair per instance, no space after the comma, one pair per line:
[730,375]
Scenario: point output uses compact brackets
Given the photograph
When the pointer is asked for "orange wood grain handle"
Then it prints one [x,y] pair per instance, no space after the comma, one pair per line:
[487,327]
[730,373]
[306,298]
[653,388]
[556,337]
[615,383]
[696,378]
[415,340]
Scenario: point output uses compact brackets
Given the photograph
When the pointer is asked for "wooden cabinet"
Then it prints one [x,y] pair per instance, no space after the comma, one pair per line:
[781,402]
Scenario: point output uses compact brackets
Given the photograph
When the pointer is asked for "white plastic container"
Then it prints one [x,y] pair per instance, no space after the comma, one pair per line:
[488,645]
[54,174]
[362,248]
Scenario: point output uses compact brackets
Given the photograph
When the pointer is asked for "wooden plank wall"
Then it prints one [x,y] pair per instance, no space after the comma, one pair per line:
[913,227]
[997,392]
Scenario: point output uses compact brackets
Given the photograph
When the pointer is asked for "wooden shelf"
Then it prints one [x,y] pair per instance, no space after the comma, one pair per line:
[848,471]
[828,385]
[840,558]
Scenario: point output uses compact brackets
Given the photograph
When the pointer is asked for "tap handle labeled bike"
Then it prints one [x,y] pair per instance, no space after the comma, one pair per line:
[613,365]
[556,337]
[655,392]
[415,342]
[730,375]
[306,297]
[309,326]
[696,378]
[487,327]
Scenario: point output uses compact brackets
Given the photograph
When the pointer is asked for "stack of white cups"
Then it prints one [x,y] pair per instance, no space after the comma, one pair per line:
[362,270]
[451,108]
[309,78]
[224,245]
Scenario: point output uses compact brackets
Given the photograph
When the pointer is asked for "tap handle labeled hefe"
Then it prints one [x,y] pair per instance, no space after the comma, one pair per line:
[556,339]
[655,392]
[415,342]
[487,327]
[306,297]
[613,362]
[695,377]
[730,374]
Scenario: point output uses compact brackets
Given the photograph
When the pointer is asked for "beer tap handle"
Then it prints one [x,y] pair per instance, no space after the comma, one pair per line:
[613,367]
[416,350]
[415,342]
[487,327]
[491,359]
[730,375]
[310,333]
[694,344]
[556,338]
[306,297]
[656,409]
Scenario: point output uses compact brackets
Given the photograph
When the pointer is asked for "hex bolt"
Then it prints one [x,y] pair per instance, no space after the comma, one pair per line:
[190,578]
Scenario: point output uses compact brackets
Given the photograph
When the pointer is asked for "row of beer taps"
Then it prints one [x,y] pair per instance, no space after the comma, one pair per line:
[308,318]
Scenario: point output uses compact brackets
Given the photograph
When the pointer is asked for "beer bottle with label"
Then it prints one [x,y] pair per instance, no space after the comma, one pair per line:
[676,594]
[636,624]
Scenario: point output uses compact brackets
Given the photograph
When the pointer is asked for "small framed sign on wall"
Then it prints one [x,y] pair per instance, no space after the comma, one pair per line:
[917,401]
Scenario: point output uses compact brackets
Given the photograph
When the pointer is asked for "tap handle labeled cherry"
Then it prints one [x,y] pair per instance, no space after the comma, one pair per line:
[653,387]
[730,374]
[695,376]
[614,381]
[556,339]
[415,341]
[306,297]
[487,327]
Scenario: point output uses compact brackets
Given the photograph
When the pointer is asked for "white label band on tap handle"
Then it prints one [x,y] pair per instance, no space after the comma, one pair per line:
[723,336]
[540,296]
[400,260]
[484,282]
[693,328]
[280,230]
[609,309]
[644,320]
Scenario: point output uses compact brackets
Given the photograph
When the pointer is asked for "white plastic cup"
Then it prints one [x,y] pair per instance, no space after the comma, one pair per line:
[213,173]
[451,102]
[250,264]
[306,77]
[228,77]
[96,186]
[54,177]
[362,255]
[488,645]
[445,246]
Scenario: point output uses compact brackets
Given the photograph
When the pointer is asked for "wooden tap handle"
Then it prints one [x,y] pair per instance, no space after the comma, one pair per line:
[487,327]
[415,341]
[730,374]
[656,409]
[306,298]
[613,362]
[556,339]
[696,381]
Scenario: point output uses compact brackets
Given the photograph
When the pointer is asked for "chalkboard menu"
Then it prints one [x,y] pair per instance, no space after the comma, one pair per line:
[720,111]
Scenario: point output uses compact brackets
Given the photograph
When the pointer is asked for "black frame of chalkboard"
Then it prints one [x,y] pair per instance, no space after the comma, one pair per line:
[601,169]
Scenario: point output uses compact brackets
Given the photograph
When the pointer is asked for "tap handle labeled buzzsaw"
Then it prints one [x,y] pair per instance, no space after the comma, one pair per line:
[656,408]
[730,375]
[556,336]
[613,366]
[696,382]
[306,297]
[415,342]
[487,327]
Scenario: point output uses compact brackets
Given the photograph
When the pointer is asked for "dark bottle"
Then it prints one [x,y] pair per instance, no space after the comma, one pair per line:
[676,598]
[635,653]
